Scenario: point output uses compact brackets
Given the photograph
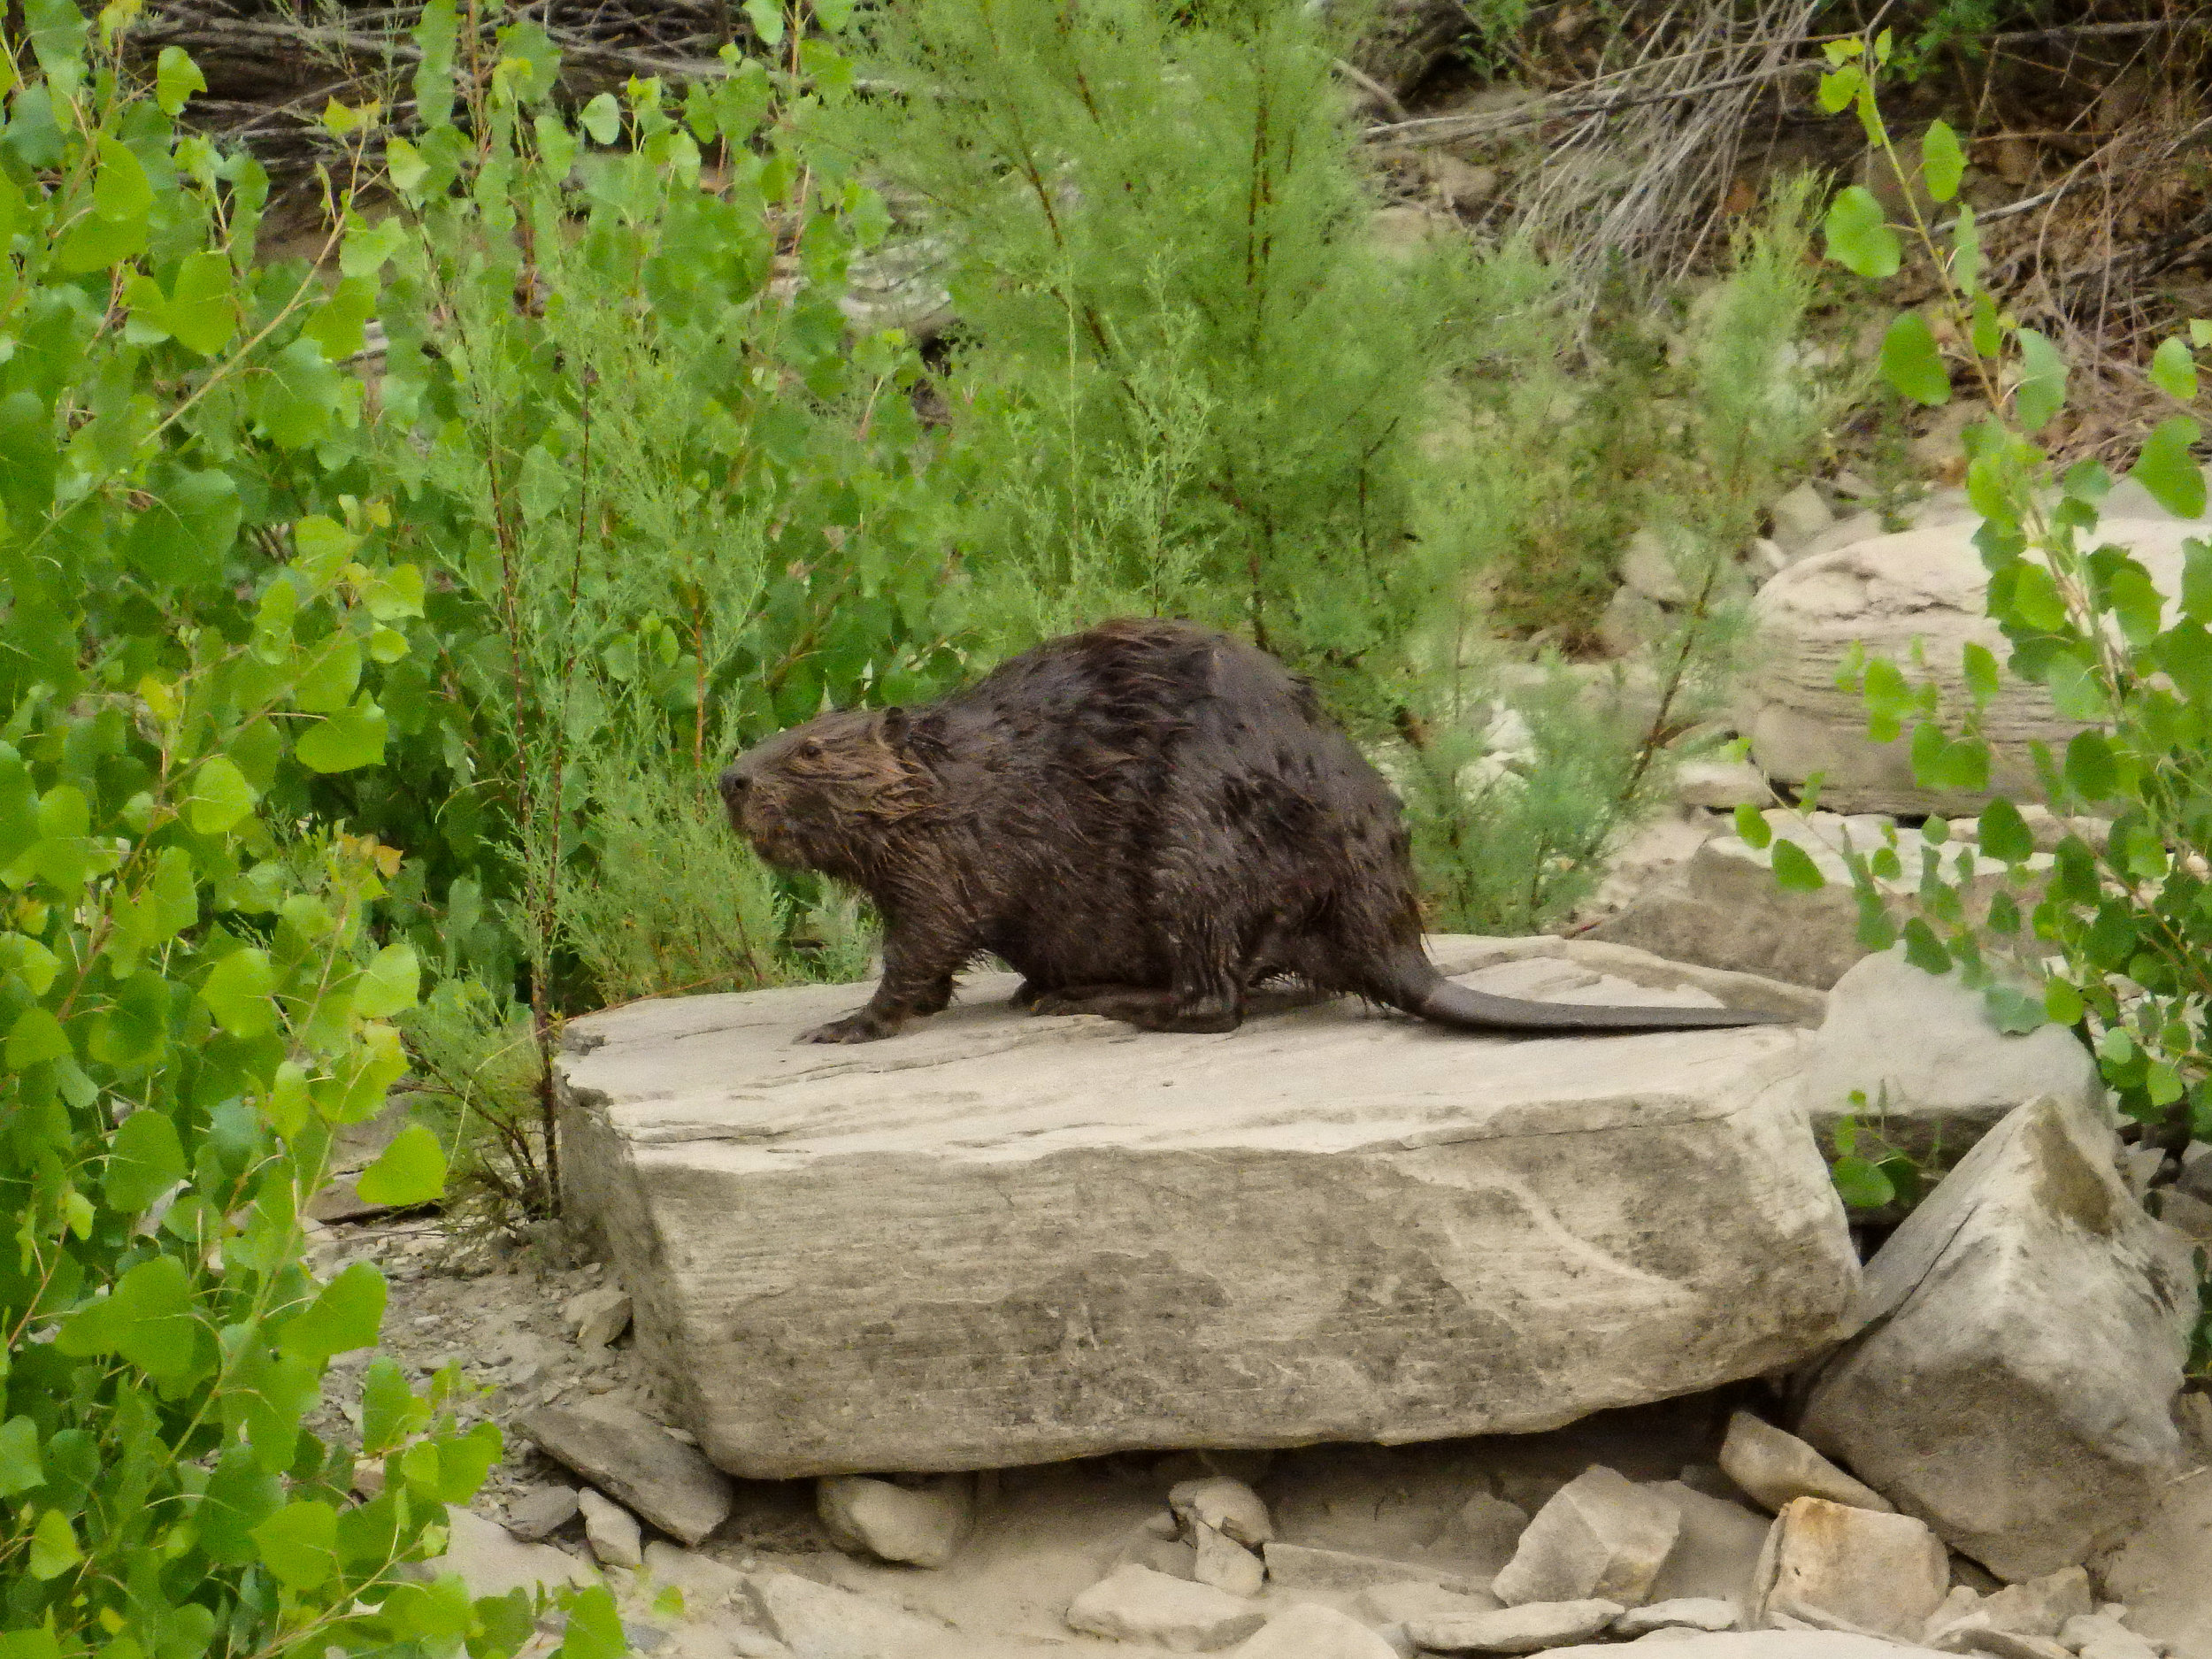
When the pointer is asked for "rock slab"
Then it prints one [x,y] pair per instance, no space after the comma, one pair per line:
[1136,1604]
[1773,1466]
[1834,1567]
[2026,1333]
[1600,1537]
[631,1458]
[1311,1631]
[1000,1239]
[1528,1629]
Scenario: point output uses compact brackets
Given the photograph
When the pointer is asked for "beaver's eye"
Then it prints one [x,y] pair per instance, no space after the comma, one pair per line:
[809,750]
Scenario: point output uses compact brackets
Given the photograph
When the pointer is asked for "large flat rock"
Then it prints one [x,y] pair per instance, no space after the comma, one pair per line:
[999,1239]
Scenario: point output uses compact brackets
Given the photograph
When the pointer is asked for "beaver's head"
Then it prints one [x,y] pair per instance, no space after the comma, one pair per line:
[823,795]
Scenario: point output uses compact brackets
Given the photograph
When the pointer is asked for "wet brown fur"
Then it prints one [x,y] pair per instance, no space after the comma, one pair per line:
[1146,820]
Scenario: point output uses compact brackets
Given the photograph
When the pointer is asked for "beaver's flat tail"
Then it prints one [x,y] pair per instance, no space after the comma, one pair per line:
[1417,987]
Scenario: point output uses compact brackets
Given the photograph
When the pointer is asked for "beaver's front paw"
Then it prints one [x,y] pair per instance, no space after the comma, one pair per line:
[861,1027]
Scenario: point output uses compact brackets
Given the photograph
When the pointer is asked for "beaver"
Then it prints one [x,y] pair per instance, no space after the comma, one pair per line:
[1147,821]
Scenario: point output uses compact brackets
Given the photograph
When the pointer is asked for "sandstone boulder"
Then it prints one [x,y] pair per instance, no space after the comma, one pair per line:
[1000,1240]
[491,1561]
[632,1458]
[1936,1071]
[1925,585]
[1774,1466]
[2025,1331]
[1834,1567]
[1601,1536]
[821,1621]
[1309,1631]
[920,1525]
[611,1531]
[1135,1604]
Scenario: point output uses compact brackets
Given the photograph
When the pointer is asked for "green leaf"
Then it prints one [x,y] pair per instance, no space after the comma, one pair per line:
[1839,87]
[1980,668]
[390,1411]
[121,193]
[2013,1010]
[1966,258]
[1861,1184]
[327,686]
[345,1314]
[37,1037]
[240,1495]
[1923,949]
[176,78]
[298,396]
[1942,163]
[2196,580]
[2091,770]
[144,1160]
[20,1469]
[1911,362]
[202,311]
[403,162]
[2174,369]
[389,983]
[2042,390]
[345,742]
[1752,826]
[2166,469]
[766,17]
[147,1318]
[299,1544]
[2004,833]
[2063,1003]
[1859,237]
[601,117]
[1794,871]
[409,1172]
[594,1629]
[241,993]
[221,796]
[53,1546]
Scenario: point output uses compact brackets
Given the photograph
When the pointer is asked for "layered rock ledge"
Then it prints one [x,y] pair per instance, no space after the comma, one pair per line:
[1000,1240]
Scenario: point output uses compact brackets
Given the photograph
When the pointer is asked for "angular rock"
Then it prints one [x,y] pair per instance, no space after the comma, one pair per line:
[1936,1071]
[1484,1533]
[819,1621]
[1834,1566]
[2100,1636]
[1721,786]
[2039,1606]
[1136,1604]
[1170,1555]
[2159,1571]
[1228,1506]
[1700,1612]
[1303,1567]
[1601,1538]
[1926,584]
[1773,1466]
[1220,1561]
[2026,1328]
[611,1531]
[1799,515]
[542,1511]
[922,1525]
[634,1459]
[707,1585]
[492,1561]
[805,1227]
[1311,1631]
[597,1317]
[1716,1554]
[1419,1598]
[1972,1636]
[1529,1628]
[1720,906]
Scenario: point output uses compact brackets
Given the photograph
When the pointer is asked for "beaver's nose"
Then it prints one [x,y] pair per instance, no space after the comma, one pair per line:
[733,783]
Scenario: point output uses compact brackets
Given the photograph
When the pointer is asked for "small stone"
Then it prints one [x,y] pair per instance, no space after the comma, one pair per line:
[1773,1466]
[2139,1167]
[1162,1525]
[2037,1607]
[1413,1599]
[1701,1612]
[1220,1560]
[611,1531]
[540,1511]
[2189,1217]
[821,1621]
[1648,566]
[1462,184]
[597,1317]
[1311,1631]
[626,1454]
[341,1202]
[1831,1565]
[1484,1531]
[1227,1506]
[1528,1628]
[921,1526]
[368,1480]
[1171,1555]
[1799,516]
[1303,1567]
[1137,1604]
[1602,1537]
[1975,1637]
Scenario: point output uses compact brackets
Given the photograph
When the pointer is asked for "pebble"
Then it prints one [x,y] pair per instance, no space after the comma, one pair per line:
[923,1526]
[1691,1612]
[1600,1537]
[597,1317]
[1224,1564]
[541,1510]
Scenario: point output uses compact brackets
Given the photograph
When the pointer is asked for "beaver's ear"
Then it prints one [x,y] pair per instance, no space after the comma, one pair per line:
[894,725]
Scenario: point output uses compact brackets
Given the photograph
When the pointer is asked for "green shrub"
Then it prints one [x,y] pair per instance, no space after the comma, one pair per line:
[2119,942]
[193,1000]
